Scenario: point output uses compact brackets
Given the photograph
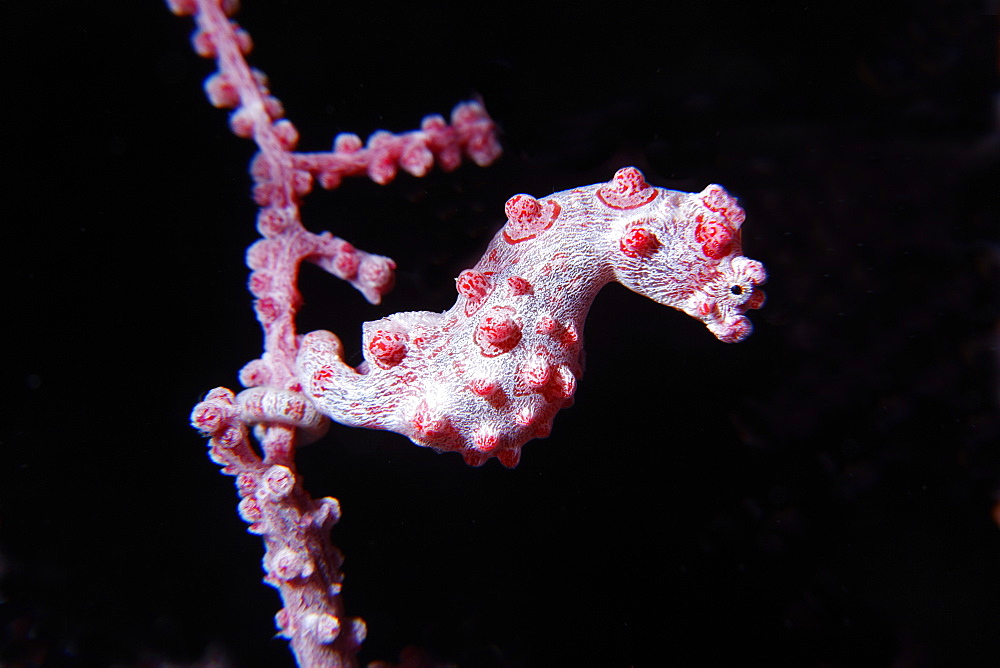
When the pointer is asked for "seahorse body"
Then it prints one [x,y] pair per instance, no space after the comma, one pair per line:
[488,375]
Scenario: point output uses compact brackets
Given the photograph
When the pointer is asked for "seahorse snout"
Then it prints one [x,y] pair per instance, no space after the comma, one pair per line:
[732,330]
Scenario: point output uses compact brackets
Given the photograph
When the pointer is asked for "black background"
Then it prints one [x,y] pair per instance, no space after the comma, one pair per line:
[822,494]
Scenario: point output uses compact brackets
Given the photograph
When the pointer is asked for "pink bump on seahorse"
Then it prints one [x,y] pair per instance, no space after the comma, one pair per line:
[488,375]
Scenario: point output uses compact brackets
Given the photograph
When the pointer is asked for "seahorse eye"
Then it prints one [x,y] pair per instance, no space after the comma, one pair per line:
[736,290]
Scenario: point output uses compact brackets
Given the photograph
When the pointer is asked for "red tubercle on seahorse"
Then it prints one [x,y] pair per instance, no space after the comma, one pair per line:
[387,348]
[627,190]
[716,199]
[527,217]
[475,287]
[498,332]
[639,240]
[714,236]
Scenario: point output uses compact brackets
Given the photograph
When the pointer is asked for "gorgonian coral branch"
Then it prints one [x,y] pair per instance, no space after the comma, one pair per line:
[299,559]
[481,379]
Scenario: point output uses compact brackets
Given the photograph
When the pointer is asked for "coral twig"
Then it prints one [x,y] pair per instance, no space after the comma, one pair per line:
[300,561]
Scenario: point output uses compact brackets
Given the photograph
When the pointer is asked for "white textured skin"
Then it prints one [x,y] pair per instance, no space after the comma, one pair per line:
[488,375]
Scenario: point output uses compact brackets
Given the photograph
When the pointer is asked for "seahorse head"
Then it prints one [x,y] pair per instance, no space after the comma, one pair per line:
[726,287]
[684,250]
